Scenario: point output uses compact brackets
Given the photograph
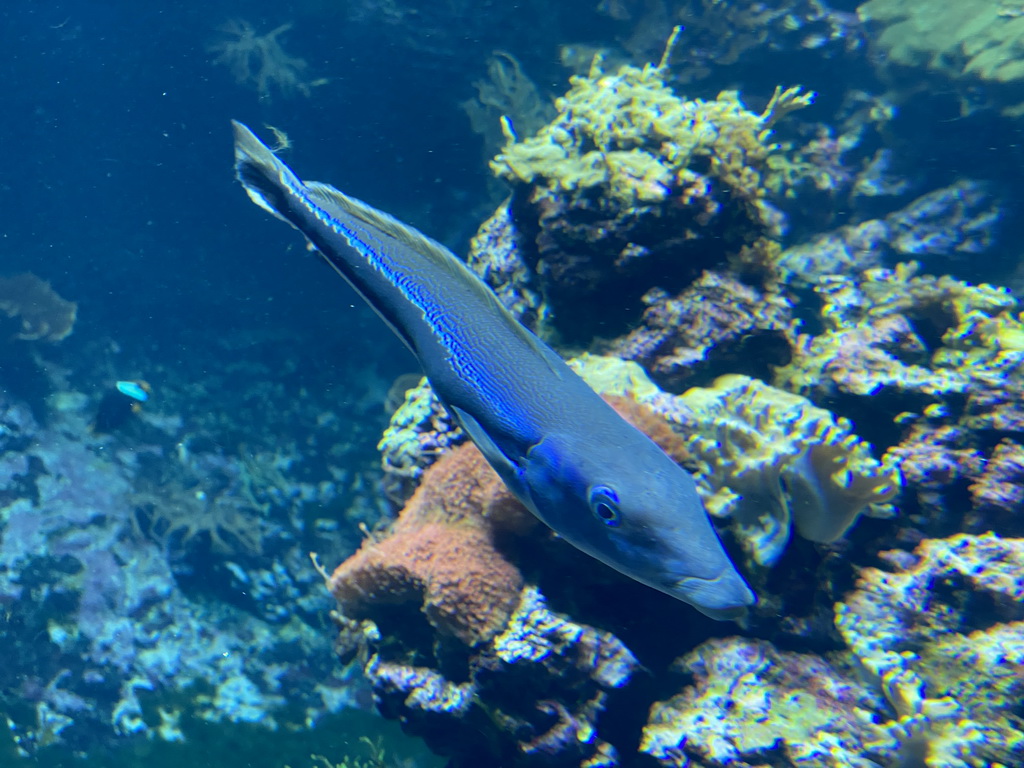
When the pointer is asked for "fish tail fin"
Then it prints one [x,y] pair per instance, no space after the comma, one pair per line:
[266,180]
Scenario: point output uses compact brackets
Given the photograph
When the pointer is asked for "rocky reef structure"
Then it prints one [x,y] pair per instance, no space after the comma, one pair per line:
[748,699]
[419,432]
[724,35]
[943,634]
[716,324]
[900,331]
[156,581]
[933,675]
[492,673]
[631,181]
[956,222]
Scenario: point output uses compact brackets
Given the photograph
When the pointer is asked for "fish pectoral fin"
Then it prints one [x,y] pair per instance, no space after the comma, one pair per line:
[507,467]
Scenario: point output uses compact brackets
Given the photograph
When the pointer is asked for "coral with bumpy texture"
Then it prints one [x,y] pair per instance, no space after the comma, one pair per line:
[419,433]
[944,635]
[999,492]
[903,333]
[953,221]
[716,322]
[530,696]
[749,699]
[631,186]
[441,553]
[766,456]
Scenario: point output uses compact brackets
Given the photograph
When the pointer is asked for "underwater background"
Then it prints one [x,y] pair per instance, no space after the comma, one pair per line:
[782,238]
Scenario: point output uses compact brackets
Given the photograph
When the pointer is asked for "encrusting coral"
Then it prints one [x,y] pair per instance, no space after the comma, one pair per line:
[748,699]
[765,457]
[419,432]
[717,322]
[944,636]
[42,313]
[900,331]
[627,187]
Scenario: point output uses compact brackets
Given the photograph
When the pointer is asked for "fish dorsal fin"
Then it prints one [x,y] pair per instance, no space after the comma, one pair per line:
[334,200]
[330,197]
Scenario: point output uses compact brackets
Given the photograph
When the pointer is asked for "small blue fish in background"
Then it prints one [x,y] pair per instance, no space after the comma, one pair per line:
[593,478]
[119,405]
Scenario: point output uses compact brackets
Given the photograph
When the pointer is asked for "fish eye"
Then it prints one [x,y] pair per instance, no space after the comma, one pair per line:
[605,504]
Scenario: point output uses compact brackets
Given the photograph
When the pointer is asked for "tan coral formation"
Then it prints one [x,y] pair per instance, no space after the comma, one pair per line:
[43,314]
[441,552]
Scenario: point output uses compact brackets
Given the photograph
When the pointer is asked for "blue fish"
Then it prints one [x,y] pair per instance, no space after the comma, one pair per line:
[594,479]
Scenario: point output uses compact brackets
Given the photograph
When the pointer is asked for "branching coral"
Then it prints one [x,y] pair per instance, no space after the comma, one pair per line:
[632,186]
[767,457]
[42,313]
[259,61]
[631,136]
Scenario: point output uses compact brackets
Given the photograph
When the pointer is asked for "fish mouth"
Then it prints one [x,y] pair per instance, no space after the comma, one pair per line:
[722,597]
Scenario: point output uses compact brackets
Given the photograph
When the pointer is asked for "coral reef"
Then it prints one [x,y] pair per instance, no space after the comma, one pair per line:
[507,97]
[419,432]
[956,221]
[723,35]
[40,311]
[97,598]
[898,331]
[494,254]
[532,695]
[717,324]
[630,181]
[441,553]
[749,699]
[765,457]
[944,636]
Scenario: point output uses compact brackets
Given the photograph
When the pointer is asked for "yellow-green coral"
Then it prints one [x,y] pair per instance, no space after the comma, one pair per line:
[768,457]
[765,458]
[897,329]
[981,40]
[404,441]
[633,137]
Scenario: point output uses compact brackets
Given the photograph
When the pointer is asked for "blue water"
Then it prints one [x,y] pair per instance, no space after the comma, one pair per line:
[136,631]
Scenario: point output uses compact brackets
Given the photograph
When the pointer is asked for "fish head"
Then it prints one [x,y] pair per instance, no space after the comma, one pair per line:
[633,508]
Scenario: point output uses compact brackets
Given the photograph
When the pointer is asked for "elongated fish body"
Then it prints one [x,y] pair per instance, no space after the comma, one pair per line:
[598,482]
